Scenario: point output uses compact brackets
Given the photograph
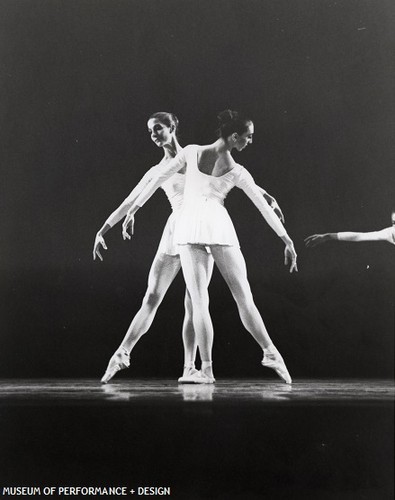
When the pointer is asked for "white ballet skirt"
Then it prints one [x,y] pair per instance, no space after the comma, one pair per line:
[203,219]
[174,190]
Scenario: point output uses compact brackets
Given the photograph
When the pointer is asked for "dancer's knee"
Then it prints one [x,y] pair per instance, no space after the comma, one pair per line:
[200,301]
[152,300]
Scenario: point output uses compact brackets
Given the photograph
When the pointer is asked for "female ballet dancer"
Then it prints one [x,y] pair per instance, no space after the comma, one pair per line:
[204,222]
[387,234]
[163,130]
[162,127]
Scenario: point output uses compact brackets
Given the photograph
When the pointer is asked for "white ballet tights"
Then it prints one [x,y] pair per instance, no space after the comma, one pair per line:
[231,264]
[194,262]
[163,270]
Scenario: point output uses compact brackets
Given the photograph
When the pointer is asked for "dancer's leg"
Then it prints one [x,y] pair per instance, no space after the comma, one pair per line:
[195,262]
[163,270]
[231,264]
[188,332]
[162,273]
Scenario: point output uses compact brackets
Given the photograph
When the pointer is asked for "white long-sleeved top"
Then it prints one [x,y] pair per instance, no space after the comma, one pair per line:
[173,188]
[203,218]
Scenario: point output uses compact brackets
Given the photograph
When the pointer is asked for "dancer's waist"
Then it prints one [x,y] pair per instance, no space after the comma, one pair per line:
[206,198]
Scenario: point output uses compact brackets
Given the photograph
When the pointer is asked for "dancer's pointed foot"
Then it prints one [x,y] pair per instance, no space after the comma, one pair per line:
[273,359]
[119,361]
[189,375]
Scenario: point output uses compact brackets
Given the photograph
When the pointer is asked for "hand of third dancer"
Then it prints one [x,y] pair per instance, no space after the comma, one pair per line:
[290,254]
[128,222]
[316,239]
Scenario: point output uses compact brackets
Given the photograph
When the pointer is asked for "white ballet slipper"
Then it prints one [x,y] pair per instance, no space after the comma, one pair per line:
[276,363]
[202,378]
[196,378]
[188,376]
[119,361]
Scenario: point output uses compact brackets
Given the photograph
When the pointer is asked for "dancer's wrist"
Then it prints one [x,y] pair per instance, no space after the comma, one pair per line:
[103,230]
[331,236]
[286,239]
[133,209]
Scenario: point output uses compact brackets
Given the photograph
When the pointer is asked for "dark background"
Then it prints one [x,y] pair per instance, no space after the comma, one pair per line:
[78,82]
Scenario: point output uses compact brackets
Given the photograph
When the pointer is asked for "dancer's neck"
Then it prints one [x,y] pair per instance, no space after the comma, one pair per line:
[221,146]
[171,150]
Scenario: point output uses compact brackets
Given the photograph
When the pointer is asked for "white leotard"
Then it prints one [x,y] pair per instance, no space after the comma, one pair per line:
[203,218]
[174,189]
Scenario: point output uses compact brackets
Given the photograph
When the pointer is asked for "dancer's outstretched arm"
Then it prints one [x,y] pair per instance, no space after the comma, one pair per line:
[273,203]
[387,234]
[119,213]
[162,173]
[246,182]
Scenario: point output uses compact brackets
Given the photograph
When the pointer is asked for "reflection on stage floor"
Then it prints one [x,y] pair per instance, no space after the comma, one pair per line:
[229,392]
[237,439]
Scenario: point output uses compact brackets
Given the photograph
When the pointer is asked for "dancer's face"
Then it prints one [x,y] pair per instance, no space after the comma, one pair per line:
[393,218]
[243,140]
[160,133]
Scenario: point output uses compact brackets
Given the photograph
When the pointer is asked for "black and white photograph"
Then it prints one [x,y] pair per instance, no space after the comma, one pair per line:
[198,249]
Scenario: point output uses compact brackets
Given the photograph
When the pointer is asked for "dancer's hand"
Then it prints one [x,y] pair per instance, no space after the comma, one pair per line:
[99,242]
[316,239]
[129,221]
[275,206]
[290,257]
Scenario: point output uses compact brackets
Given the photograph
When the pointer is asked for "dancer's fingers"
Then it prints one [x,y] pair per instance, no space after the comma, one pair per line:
[294,267]
[312,240]
[125,234]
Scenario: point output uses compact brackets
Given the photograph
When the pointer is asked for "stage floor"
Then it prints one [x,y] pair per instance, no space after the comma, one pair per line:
[242,439]
[230,392]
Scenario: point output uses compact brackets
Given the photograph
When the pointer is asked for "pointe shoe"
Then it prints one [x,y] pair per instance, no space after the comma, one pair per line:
[119,361]
[276,362]
[201,378]
[188,376]
[196,377]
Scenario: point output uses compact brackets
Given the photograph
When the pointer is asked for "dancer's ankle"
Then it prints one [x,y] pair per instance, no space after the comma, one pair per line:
[207,368]
[270,349]
[189,368]
[123,349]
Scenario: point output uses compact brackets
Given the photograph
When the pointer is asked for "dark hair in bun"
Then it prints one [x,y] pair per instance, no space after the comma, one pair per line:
[167,119]
[231,122]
